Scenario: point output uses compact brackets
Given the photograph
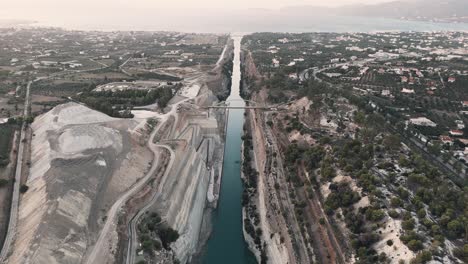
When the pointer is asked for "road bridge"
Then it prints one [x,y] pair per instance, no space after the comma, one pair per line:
[252,105]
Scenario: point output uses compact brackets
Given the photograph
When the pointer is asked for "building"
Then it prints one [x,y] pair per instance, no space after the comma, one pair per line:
[422,121]
[386,93]
[460,124]
[446,140]
[456,133]
[407,91]
[275,63]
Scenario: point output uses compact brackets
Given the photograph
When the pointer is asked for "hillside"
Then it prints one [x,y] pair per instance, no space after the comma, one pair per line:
[430,10]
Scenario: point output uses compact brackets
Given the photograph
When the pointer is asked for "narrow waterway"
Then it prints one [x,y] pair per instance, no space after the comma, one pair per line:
[226,244]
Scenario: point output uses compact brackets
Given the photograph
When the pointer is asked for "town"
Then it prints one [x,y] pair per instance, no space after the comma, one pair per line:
[368,164]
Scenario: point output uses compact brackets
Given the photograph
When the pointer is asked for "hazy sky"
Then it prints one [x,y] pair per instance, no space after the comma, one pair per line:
[25,4]
[180,15]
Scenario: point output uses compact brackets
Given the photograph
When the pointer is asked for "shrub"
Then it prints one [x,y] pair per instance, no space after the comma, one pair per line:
[393,214]
[24,188]
[3,183]
[415,245]
[408,224]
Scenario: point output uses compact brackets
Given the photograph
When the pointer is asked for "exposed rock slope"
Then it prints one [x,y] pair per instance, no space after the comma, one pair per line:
[80,164]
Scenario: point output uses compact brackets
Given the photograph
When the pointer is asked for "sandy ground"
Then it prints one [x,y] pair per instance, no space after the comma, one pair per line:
[326,124]
[301,139]
[190,91]
[398,251]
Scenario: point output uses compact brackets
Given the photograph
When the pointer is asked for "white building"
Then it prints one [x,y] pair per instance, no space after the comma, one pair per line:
[422,121]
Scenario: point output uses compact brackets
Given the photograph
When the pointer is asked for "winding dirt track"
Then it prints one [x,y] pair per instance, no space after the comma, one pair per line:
[112,214]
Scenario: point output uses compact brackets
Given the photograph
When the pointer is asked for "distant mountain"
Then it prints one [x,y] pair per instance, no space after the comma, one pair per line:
[432,10]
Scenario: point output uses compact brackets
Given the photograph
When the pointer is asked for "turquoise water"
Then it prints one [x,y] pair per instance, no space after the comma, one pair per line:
[226,244]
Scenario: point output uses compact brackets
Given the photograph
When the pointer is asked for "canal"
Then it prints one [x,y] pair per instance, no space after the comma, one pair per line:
[226,244]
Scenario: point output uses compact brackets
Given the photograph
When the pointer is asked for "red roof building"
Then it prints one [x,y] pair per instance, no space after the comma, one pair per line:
[456,133]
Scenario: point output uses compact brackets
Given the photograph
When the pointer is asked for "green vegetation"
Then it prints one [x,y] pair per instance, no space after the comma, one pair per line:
[6,132]
[24,188]
[249,182]
[341,196]
[154,234]
[157,76]
[227,73]
[118,103]
[3,183]
[400,181]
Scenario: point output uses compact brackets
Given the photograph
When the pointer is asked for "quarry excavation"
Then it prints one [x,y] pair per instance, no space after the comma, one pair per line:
[94,179]
[81,163]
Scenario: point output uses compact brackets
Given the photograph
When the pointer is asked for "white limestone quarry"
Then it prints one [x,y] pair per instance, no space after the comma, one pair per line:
[70,153]
[185,191]
[79,139]
[60,116]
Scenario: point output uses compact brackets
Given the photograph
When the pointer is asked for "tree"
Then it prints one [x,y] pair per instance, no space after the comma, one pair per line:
[377,215]
[393,213]
[24,188]
[396,202]
[435,149]
[147,245]
[421,213]
[415,245]
[408,224]
[462,253]
[404,162]
[392,142]
[168,235]
[421,258]
[359,118]
[3,183]
[455,228]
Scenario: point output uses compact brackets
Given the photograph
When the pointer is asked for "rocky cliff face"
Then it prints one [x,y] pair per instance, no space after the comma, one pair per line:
[182,203]
[219,80]
[249,74]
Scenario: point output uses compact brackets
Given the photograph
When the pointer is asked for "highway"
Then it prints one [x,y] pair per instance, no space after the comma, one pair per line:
[16,186]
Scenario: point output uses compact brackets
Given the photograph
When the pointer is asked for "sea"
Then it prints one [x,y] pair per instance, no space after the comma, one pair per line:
[216,21]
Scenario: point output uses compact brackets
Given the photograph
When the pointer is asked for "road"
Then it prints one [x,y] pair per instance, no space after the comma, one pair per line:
[111,215]
[132,234]
[16,186]
[243,107]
